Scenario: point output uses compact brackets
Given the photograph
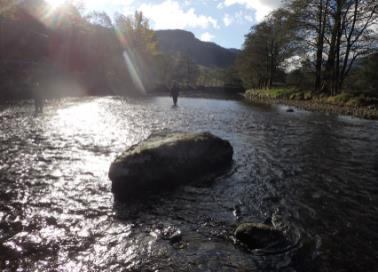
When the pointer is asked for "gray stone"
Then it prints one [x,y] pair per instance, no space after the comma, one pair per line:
[258,236]
[166,160]
[175,237]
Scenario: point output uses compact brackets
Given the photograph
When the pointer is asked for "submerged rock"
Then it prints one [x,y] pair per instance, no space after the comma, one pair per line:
[175,237]
[167,160]
[258,236]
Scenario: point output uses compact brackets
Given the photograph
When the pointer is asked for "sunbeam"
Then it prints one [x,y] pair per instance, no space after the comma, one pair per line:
[55,3]
[127,55]
[134,73]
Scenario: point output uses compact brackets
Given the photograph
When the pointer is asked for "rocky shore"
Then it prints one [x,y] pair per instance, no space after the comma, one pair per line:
[366,112]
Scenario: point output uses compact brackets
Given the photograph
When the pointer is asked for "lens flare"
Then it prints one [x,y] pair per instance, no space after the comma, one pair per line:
[55,3]
[128,57]
[134,73]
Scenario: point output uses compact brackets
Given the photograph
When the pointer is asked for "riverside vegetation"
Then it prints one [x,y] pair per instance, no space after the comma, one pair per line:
[70,51]
[322,53]
[358,105]
[324,47]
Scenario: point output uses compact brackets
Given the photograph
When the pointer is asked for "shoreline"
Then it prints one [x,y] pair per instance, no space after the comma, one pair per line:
[365,112]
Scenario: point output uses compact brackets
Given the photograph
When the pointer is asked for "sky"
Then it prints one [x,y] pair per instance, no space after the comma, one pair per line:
[224,22]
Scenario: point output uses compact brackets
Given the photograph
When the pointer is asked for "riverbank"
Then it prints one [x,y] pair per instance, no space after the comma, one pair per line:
[344,104]
[202,92]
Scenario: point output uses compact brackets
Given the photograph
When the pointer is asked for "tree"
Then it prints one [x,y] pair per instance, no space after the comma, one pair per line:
[359,39]
[99,19]
[366,76]
[140,49]
[336,33]
[265,49]
[186,71]
[232,80]
[311,17]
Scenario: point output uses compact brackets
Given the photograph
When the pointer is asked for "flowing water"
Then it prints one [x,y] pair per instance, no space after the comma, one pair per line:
[312,175]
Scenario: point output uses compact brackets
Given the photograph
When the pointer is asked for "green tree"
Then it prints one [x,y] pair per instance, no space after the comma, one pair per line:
[140,48]
[311,21]
[265,49]
[364,79]
[99,19]
[232,79]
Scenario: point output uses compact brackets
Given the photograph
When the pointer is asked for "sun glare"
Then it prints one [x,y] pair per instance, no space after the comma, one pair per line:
[55,3]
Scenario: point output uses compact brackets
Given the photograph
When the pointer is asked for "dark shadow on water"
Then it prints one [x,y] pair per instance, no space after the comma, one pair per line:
[140,201]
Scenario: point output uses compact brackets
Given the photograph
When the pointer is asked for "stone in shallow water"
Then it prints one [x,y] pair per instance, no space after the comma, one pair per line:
[167,160]
[258,236]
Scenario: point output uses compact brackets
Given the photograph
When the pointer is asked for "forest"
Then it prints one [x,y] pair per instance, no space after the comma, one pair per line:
[325,47]
[305,49]
[69,51]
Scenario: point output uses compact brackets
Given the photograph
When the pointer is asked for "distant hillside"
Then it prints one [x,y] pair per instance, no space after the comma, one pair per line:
[203,53]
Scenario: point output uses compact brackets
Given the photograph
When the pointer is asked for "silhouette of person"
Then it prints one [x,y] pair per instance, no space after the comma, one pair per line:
[175,92]
[38,98]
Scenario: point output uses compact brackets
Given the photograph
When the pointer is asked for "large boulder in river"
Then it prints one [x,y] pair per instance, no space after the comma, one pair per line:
[258,236]
[167,160]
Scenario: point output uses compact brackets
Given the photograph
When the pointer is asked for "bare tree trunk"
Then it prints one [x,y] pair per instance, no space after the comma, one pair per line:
[266,83]
[329,75]
[271,72]
[322,17]
[347,63]
[336,80]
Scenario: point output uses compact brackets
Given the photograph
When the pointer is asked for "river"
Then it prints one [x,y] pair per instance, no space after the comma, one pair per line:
[311,174]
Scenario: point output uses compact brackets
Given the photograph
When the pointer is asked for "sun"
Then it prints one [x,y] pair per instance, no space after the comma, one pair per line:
[55,3]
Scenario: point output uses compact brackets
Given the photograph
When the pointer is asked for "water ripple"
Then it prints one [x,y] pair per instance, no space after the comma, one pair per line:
[312,175]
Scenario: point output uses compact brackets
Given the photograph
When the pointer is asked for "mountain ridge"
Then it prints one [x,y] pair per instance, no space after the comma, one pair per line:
[207,54]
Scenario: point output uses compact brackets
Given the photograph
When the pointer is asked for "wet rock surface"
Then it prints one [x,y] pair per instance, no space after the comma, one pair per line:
[258,236]
[166,160]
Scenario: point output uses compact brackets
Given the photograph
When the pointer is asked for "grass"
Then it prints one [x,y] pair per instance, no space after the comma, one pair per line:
[343,99]
[282,93]
[354,100]
[276,92]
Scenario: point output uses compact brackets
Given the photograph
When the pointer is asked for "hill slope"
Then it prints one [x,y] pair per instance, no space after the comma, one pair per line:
[203,53]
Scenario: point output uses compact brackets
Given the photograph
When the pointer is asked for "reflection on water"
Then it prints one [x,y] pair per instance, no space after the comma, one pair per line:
[85,117]
[313,175]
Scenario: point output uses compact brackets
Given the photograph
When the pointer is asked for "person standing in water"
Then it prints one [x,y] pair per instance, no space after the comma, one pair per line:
[38,98]
[175,92]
